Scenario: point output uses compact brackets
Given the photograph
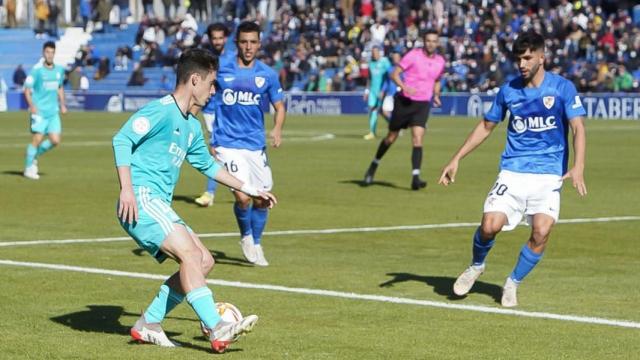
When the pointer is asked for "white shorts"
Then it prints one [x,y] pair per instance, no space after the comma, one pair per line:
[250,166]
[387,103]
[209,119]
[518,194]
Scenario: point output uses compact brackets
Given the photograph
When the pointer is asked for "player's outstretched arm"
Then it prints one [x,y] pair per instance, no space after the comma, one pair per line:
[477,136]
[127,206]
[576,173]
[224,177]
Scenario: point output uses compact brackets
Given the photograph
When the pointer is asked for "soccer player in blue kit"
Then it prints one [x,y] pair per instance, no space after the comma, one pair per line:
[238,135]
[218,34]
[45,97]
[149,150]
[542,107]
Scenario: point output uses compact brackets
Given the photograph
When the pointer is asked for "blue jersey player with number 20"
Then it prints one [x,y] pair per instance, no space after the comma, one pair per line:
[542,108]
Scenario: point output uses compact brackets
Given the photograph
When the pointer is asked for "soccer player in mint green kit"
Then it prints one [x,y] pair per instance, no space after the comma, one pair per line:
[149,150]
[378,71]
[542,108]
[45,97]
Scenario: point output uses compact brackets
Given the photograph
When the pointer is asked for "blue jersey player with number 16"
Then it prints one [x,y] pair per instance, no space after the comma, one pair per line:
[542,108]
[238,135]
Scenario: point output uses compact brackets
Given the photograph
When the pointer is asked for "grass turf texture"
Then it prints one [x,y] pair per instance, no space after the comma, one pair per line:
[588,270]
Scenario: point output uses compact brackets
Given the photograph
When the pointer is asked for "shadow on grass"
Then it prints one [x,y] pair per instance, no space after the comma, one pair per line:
[220,257]
[18,173]
[374,183]
[105,319]
[443,285]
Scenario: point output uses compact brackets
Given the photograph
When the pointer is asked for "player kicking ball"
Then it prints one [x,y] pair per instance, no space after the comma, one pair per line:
[542,108]
[149,151]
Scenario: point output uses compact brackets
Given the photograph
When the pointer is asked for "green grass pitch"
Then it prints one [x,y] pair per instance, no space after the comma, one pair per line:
[590,269]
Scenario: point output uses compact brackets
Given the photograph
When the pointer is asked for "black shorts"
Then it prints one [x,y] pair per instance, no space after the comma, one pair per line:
[407,112]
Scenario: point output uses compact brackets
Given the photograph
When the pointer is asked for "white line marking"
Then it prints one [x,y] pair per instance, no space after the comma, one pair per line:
[317,231]
[339,294]
[66,143]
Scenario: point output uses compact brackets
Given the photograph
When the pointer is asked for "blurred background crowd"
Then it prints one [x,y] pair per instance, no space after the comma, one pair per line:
[319,45]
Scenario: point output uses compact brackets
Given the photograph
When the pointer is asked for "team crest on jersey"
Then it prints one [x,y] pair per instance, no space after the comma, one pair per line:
[260,81]
[141,125]
[548,101]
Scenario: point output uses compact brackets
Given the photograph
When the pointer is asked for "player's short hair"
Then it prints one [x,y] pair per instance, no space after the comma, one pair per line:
[248,27]
[49,44]
[527,40]
[217,27]
[195,61]
[430,32]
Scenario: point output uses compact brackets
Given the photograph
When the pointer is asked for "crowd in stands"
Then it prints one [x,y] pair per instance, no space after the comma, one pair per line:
[321,45]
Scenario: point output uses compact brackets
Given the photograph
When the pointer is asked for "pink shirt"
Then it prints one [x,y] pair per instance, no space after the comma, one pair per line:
[421,72]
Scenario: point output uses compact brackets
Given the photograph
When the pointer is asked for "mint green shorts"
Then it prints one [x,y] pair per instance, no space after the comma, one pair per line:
[49,124]
[156,220]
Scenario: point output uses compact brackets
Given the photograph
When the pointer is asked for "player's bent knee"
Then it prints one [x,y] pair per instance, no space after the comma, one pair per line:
[207,263]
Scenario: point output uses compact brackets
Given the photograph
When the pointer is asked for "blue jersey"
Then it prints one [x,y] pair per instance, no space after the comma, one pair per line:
[389,86]
[45,83]
[538,124]
[239,119]
[156,140]
[225,57]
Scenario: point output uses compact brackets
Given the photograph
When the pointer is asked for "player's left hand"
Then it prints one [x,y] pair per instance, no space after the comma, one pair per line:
[63,109]
[268,197]
[577,180]
[436,101]
[276,137]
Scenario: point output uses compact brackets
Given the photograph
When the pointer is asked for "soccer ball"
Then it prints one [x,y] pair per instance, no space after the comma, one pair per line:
[228,312]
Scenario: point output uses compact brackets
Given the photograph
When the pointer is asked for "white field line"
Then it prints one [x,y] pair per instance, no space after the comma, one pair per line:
[316,231]
[339,294]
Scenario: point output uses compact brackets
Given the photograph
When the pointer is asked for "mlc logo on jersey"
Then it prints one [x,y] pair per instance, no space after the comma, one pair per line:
[230,97]
[260,81]
[533,123]
[548,101]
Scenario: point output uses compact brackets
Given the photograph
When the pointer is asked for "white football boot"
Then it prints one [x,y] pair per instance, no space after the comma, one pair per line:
[509,293]
[226,333]
[248,249]
[260,259]
[465,281]
[150,333]
[31,172]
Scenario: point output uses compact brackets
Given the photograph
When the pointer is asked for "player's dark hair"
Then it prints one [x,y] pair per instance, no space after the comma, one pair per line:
[195,61]
[247,27]
[430,32]
[217,27]
[527,40]
[49,44]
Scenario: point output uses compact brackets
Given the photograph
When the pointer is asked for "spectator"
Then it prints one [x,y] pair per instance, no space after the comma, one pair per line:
[11,13]
[623,81]
[54,12]
[137,76]
[42,15]
[74,78]
[19,76]
[103,69]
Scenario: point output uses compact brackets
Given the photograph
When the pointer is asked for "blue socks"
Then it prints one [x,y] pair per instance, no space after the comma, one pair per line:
[258,222]
[212,185]
[480,248]
[526,262]
[373,121]
[32,152]
[45,146]
[201,300]
[243,216]
[166,300]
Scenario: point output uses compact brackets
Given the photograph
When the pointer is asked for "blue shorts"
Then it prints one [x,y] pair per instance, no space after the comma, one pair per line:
[49,124]
[155,222]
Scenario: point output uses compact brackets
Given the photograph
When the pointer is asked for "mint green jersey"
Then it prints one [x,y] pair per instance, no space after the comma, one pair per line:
[377,73]
[156,140]
[45,82]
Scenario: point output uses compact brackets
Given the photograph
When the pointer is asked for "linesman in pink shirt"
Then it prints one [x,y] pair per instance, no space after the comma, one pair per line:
[420,87]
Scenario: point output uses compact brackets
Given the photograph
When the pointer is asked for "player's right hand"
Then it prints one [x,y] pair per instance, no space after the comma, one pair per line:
[448,175]
[269,197]
[33,109]
[127,206]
